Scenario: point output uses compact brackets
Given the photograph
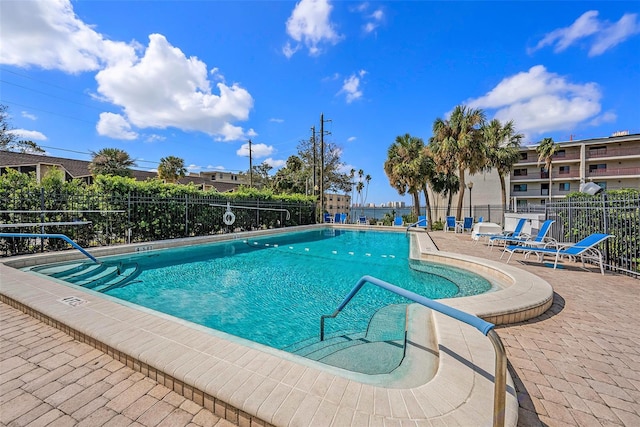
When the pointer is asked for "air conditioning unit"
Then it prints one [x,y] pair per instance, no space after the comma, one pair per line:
[590,188]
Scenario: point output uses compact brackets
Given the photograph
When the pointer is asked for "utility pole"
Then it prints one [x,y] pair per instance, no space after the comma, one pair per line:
[250,166]
[313,142]
[322,120]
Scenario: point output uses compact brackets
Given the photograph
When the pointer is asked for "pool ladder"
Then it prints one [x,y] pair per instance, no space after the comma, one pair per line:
[486,328]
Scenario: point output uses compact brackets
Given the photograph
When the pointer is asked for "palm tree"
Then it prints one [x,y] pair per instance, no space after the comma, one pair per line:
[405,169]
[111,161]
[503,150]
[457,143]
[171,169]
[546,150]
[447,185]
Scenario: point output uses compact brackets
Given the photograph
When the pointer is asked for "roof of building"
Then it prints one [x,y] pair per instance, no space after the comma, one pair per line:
[80,169]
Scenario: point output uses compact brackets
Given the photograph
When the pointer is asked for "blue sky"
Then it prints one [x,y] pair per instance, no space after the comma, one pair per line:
[197,79]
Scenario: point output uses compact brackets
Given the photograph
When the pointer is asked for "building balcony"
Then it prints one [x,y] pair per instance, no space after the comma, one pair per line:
[617,172]
[574,174]
[613,152]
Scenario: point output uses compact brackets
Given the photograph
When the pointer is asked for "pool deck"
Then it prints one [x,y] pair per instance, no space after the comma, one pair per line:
[577,364]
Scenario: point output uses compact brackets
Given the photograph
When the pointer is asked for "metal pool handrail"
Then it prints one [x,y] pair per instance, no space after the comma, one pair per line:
[52,236]
[500,381]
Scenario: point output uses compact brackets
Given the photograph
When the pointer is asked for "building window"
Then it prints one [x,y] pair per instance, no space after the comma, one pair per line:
[564,170]
[213,177]
[544,173]
[519,188]
[600,167]
[564,186]
[560,153]
[520,172]
[544,189]
[523,156]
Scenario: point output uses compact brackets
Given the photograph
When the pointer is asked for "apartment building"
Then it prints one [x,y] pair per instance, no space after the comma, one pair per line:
[611,163]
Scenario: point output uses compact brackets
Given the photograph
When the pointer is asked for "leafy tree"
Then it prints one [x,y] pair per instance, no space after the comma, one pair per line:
[405,167]
[334,179]
[503,151]
[9,140]
[457,143]
[546,150]
[292,178]
[111,161]
[171,169]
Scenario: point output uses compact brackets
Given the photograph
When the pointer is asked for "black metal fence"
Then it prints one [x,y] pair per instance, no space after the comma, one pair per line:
[618,215]
[98,219]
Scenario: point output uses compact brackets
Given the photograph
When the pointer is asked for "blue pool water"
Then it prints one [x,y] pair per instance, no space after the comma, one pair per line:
[273,290]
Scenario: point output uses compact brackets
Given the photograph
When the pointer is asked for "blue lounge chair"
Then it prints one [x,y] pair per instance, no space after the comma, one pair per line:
[397,221]
[467,223]
[327,218]
[516,233]
[362,220]
[336,218]
[585,249]
[343,218]
[481,219]
[451,223]
[422,221]
[539,241]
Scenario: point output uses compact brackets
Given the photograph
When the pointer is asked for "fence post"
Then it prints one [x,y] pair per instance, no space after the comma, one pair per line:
[186,215]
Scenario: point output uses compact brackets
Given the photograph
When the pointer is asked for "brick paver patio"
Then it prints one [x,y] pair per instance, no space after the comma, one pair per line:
[48,379]
[579,363]
[576,365]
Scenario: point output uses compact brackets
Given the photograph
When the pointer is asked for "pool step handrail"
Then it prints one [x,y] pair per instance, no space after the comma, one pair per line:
[51,236]
[486,328]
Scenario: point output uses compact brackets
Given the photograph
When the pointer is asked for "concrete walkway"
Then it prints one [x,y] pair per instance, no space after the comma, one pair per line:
[576,365]
[48,379]
[579,363]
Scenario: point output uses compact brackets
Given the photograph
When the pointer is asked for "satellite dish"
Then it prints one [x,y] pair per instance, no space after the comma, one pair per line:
[590,188]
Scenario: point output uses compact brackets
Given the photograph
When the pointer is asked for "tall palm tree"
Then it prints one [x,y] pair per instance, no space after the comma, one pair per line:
[171,168]
[447,185]
[546,150]
[503,150]
[457,143]
[111,161]
[404,167]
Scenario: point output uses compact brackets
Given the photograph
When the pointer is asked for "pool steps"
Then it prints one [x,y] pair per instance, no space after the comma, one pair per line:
[98,277]
[382,345]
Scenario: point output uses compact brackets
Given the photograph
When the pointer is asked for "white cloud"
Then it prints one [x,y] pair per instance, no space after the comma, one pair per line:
[275,163]
[257,150]
[351,86]
[309,25]
[374,21]
[219,168]
[29,135]
[615,34]
[275,120]
[29,116]
[155,138]
[193,168]
[351,139]
[115,126]
[602,34]
[48,34]
[164,89]
[539,101]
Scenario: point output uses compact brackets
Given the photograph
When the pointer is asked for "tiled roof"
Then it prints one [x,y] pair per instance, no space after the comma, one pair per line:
[80,169]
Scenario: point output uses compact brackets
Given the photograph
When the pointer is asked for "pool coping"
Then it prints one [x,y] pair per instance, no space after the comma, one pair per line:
[249,386]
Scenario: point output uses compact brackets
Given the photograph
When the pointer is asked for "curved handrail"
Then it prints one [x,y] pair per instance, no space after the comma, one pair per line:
[486,328]
[52,236]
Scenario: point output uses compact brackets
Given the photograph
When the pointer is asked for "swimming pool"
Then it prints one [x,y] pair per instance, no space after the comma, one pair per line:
[273,289]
